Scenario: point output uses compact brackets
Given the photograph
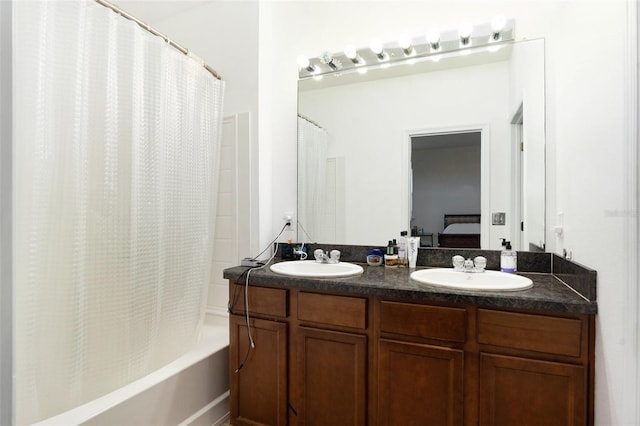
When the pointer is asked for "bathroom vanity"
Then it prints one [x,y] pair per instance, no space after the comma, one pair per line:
[381,349]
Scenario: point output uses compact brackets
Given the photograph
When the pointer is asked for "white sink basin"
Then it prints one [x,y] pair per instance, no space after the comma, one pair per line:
[487,280]
[313,269]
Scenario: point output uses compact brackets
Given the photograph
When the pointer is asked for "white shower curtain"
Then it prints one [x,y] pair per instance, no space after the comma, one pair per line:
[116,163]
[312,164]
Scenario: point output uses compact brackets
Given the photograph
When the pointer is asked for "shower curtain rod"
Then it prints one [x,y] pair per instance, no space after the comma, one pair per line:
[311,121]
[155,32]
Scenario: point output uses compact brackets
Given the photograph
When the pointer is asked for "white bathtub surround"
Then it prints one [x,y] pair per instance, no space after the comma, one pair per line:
[188,391]
[116,157]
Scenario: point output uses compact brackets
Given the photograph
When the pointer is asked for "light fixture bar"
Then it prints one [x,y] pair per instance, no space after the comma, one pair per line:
[431,45]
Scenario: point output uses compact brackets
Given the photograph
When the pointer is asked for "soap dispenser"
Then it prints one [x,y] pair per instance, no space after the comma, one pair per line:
[508,258]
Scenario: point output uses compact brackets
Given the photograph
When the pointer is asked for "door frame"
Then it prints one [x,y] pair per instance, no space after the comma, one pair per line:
[485,176]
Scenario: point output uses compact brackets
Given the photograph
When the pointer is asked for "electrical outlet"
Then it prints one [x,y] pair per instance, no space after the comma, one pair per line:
[289,217]
[498,218]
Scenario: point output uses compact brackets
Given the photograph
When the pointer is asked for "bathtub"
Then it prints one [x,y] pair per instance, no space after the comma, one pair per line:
[192,390]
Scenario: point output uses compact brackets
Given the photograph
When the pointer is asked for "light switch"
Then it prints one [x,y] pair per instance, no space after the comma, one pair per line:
[498,218]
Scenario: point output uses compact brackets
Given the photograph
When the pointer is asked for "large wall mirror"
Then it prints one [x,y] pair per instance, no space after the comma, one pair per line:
[411,146]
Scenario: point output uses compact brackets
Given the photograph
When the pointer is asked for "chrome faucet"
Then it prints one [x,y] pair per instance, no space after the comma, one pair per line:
[468,265]
[327,257]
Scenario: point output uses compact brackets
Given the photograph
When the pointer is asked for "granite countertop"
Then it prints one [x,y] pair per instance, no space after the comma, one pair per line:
[548,293]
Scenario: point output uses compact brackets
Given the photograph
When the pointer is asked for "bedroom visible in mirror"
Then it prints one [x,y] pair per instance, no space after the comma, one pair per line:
[446,182]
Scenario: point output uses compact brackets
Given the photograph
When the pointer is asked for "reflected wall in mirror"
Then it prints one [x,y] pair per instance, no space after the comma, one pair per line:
[355,183]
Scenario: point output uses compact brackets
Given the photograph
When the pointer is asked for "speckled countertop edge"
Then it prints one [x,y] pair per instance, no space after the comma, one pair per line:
[547,294]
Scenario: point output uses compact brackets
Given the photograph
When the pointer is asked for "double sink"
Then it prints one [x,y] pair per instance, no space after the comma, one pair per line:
[443,277]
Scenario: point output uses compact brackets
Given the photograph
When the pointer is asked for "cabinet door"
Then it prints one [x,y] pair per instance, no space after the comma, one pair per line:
[521,391]
[259,388]
[332,378]
[419,384]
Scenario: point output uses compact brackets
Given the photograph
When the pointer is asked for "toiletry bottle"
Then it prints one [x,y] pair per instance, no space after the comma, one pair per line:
[412,251]
[508,259]
[402,250]
[391,258]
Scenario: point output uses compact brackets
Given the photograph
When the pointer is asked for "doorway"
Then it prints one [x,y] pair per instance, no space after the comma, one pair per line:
[446,179]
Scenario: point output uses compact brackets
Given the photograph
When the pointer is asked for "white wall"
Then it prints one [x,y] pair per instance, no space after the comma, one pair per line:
[587,138]
[370,131]
[591,186]
[225,35]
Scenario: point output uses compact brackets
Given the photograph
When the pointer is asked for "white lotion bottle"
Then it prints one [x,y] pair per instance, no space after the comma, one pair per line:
[508,259]
[413,243]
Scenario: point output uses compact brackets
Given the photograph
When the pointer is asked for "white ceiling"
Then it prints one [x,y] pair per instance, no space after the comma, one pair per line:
[151,11]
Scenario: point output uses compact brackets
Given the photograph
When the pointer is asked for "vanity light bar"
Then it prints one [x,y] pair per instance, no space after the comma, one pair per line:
[407,49]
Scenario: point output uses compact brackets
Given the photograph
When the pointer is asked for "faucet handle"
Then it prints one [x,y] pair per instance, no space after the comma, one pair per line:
[480,262]
[318,254]
[335,255]
[458,262]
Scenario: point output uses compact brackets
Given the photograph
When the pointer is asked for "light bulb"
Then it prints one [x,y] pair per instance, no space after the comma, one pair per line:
[350,52]
[498,23]
[376,47]
[433,37]
[303,62]
[404,41]
[465,30]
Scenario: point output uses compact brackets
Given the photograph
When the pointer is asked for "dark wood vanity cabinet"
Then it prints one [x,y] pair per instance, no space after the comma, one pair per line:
[420,364]
[535,369]
[259,387]
[258,377]
[310,361]
[525,391]
[330,359]
[332,378]
[419,384]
